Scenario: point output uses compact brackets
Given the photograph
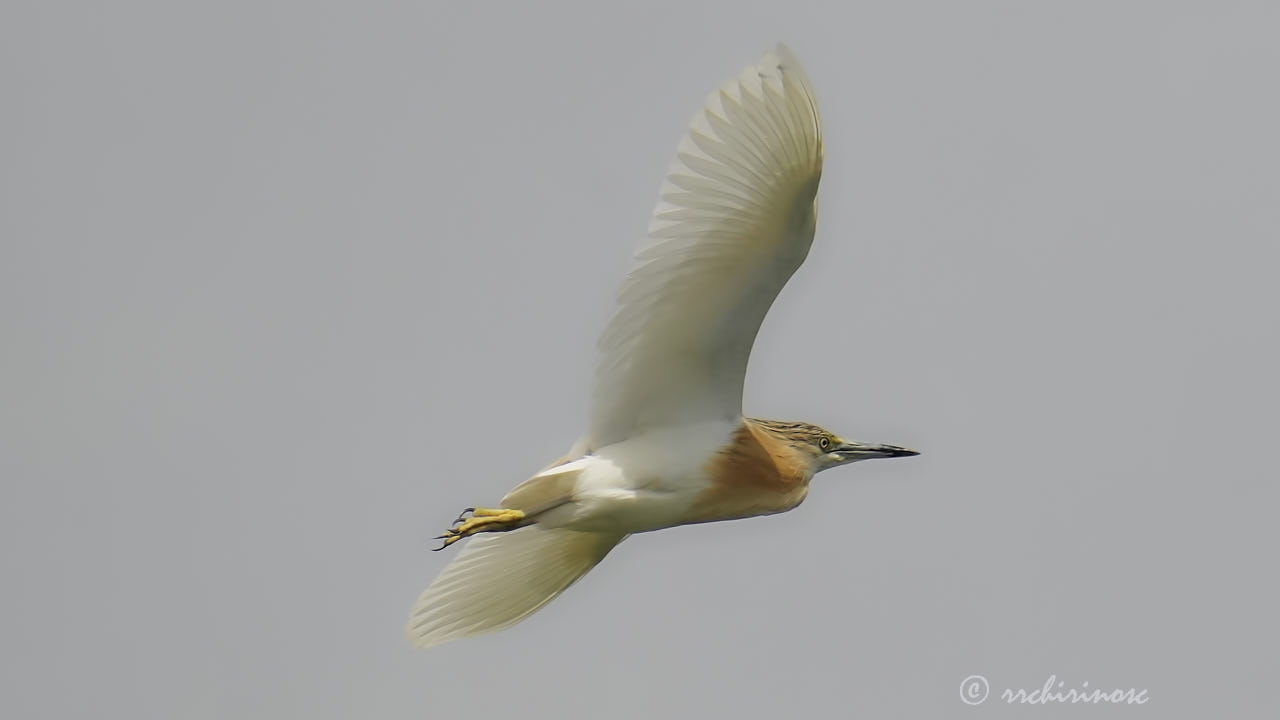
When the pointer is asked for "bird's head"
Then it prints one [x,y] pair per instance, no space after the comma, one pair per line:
[825,449]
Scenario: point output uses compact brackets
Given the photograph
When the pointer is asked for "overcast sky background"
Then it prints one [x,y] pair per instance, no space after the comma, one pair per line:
[283,286]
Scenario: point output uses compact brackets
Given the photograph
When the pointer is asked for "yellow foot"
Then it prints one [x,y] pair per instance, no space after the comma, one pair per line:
[477,520]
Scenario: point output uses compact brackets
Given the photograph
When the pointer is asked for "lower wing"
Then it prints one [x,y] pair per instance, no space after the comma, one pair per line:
[500,579]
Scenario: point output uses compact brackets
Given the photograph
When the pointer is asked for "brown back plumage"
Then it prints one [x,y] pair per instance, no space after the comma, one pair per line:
[764,469]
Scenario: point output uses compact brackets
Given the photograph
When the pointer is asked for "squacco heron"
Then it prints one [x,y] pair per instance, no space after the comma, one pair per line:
[666,442]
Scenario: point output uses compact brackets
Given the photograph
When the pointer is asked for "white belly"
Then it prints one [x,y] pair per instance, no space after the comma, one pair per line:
[648,482]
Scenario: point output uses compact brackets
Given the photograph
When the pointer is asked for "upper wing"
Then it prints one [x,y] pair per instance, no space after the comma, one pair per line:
[734,220]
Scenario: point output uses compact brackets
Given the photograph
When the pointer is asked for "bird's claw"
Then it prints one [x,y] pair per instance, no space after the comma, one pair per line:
[449,537]
[480,520]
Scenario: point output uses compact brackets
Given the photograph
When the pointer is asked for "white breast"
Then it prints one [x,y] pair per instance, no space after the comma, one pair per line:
[644,483]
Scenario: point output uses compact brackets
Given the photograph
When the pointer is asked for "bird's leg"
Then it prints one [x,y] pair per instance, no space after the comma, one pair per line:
[481,520]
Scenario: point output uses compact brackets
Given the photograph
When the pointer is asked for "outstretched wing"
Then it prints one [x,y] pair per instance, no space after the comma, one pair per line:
[734,220]
[500,579]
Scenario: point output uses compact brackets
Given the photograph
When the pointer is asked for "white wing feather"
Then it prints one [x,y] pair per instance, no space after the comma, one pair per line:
[735,220]
[500,579]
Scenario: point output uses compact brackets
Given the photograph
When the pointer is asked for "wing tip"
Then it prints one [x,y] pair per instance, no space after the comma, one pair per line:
[422,641]
[781,58]
[786,55]
[429,638]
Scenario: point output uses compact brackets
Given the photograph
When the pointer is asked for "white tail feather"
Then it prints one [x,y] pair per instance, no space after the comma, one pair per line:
[501,578]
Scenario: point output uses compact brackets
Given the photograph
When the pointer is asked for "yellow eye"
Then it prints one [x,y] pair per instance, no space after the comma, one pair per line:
[825,443]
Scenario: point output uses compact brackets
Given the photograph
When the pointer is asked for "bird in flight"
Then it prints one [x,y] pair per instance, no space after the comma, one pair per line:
[666,443]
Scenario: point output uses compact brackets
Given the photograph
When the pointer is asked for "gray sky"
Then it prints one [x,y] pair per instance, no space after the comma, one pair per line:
[283,286]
